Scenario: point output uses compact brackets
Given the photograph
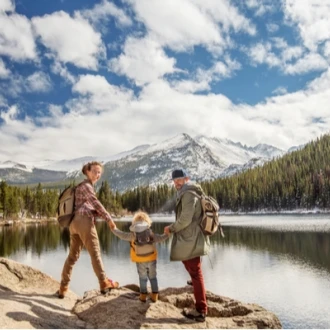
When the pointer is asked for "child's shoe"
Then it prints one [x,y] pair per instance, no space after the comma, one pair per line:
[154,296]
[143,297]
[107,285]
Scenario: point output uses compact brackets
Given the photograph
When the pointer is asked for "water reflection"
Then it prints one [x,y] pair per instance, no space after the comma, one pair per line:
[311,247]
[286,271]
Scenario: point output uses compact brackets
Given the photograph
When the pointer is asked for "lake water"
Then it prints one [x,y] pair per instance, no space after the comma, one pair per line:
[279,262]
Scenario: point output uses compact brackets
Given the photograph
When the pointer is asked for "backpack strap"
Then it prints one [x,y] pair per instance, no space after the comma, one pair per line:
[200,197]
[178,200]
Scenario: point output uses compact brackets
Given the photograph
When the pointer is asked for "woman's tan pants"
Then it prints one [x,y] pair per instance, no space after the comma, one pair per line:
[83,233]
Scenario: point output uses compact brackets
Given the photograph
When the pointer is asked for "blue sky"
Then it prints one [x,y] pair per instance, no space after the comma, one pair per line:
[80,77]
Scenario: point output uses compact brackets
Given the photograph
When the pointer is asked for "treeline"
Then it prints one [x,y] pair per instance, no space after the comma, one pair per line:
[300,179]
[42,203]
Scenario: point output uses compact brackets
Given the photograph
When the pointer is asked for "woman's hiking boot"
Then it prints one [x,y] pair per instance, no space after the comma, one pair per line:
[154,296]
[143,297]
[62,291]
[107,285]
[194,314]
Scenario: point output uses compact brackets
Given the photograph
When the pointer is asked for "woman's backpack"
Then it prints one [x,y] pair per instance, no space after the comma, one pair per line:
[65,209]
[66,206]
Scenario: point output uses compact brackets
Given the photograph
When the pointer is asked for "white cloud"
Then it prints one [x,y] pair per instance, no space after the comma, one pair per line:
[326,49]
[102,12]
[102,114]
[38,82]
[142,60]
[261,53]
[71,40]
[4,72]
[292,53]
[203,78]
[62,70]
[16,37]
[261,6]
[102,96]
[227,15]
[280,90]
[272,28]
[179,25]
[291,60]
[310,62]
[7,6]
[312,18]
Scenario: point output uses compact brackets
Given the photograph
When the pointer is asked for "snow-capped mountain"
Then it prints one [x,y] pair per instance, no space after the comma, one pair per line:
[203,157]
[230,152]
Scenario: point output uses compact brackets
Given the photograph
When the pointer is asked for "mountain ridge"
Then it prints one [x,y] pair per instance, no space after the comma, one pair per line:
[204,158]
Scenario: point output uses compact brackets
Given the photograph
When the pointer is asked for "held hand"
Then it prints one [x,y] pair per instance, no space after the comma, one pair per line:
[111,224]
[167,230]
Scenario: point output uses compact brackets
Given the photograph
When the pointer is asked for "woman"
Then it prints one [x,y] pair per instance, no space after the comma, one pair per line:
[83,231]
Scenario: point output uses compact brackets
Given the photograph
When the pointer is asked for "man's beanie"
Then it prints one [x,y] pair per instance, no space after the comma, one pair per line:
[179,173]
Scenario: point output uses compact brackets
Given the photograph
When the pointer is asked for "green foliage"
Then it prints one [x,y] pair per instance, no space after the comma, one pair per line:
[300,179]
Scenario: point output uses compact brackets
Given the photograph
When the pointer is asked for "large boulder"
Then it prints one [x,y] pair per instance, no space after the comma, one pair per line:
[27,300]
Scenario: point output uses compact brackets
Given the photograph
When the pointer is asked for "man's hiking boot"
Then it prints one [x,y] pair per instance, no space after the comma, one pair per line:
[143,297]
[193,314]
[107,285]
[62,291]
[154,296]
[189,282]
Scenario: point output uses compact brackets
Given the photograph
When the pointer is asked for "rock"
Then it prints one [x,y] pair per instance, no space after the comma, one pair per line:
[27,300]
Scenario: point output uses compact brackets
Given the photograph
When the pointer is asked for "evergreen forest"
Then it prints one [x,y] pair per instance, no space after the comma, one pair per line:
[298,180]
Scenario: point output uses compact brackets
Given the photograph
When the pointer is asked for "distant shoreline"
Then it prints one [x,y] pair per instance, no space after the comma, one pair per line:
[9,222]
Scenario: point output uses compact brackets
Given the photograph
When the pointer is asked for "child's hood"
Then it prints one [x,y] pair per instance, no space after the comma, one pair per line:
[139,227]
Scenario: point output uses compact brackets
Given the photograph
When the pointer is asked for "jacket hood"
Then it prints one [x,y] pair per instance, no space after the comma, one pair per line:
[191,186]
[139,226]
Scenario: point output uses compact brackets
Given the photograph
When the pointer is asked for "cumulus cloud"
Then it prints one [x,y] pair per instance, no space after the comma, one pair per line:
[272,28]
[102,118]
[261,7]
[38,82]
[7,6]
[16,36]
[262,53]
[101,112]
[291,60]
[142,60]
[102,12]
[310,62]
[4,72]
[280,90]
[70,39]
[185,24]
[312,18]
[61,69]
[203,78]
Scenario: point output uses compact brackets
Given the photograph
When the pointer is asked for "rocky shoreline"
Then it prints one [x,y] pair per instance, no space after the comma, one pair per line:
[28,300]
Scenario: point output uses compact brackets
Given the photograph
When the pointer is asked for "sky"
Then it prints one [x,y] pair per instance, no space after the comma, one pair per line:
[95,78]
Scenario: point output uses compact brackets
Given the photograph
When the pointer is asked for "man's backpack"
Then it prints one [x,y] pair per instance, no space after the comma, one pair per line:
[144,243]
[65,209]
[210,217]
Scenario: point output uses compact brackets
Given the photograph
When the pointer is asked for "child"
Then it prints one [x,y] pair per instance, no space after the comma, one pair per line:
[143,252]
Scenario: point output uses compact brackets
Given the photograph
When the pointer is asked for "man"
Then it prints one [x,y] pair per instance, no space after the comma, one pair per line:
[189,243]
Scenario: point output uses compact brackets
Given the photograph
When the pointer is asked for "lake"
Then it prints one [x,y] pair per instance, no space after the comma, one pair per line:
[281,262]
